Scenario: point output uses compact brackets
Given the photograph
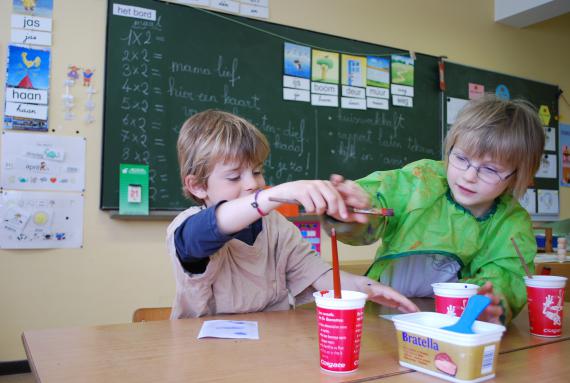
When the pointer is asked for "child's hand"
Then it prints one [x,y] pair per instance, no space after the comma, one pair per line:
[353,196]
[493,312]
[387,296]
[316,196]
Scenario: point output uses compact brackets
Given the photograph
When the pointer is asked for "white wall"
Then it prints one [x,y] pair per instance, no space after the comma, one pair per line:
[123,264]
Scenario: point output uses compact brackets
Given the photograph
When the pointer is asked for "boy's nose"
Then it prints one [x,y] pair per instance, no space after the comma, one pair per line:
[250,183]
[471,174]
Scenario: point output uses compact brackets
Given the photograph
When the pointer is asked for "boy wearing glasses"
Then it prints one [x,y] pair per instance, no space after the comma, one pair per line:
[453,219]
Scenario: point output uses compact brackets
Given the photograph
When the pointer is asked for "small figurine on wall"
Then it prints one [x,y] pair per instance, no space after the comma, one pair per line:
[87,75]
[73,74]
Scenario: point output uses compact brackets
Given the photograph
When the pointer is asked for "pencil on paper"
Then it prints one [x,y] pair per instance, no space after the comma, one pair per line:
[373,211]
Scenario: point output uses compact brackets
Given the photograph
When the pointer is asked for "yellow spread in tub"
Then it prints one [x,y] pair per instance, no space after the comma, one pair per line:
[425,347]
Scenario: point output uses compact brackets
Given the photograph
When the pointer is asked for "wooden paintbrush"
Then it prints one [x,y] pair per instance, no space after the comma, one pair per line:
[383,211]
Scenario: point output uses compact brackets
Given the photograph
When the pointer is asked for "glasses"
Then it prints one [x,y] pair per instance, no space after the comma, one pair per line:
[485,173]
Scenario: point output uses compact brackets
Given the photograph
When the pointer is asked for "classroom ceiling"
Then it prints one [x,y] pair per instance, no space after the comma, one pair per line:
[523,13]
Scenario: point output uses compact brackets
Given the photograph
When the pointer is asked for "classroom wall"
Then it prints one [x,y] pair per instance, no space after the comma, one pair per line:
[123,264]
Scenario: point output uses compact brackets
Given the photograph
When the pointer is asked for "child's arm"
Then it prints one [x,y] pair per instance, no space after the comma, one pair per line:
[377,292]
[316,196]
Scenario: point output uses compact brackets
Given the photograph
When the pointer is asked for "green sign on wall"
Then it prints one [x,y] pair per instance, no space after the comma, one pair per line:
[133,190]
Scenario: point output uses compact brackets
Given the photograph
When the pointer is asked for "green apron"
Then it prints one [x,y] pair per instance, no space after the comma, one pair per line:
[427,220]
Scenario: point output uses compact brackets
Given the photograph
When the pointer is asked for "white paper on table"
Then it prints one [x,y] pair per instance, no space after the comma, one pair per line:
[230,329]
[388,316]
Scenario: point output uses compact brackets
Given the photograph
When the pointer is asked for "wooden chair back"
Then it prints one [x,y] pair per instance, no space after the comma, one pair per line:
[146,314]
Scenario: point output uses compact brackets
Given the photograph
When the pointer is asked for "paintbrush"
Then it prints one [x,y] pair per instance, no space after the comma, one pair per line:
[373,211]
[336,270]
[527,271]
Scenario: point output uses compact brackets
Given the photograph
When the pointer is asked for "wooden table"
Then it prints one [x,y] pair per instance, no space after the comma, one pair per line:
[168,351]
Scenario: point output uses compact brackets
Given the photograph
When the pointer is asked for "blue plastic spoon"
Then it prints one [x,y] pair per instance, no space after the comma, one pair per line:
[475,306]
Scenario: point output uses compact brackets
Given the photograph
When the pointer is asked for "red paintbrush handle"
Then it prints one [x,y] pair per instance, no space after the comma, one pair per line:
[336,271]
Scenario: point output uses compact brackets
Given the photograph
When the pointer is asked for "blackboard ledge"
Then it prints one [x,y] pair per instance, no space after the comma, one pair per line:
[167,215]
[154,215]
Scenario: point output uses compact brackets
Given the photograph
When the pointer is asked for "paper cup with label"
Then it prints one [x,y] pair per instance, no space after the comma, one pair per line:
[545,295]
[451,298]
[340,329]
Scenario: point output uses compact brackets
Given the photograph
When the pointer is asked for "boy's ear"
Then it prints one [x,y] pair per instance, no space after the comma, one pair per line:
[194,187]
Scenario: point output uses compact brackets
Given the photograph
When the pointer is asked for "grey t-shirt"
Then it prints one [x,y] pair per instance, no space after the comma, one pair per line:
[413,275]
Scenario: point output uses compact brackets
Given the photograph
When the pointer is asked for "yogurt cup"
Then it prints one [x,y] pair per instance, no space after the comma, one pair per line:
[425,347]
[451,298]
[545,296]
[340,329]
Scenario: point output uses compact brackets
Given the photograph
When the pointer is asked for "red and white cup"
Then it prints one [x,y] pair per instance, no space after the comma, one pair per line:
[340,329]
[451,298]
[545,296]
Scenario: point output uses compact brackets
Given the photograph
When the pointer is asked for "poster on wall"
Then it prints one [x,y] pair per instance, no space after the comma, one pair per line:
[27,88]
[40,220]
[41,162]
[311,232]
[31,22]
[564,142]
[33,8]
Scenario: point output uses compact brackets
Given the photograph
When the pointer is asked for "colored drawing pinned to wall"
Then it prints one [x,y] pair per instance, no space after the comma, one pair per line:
[311,232]
[42,162]
[40,220]
[325,67]
[27,87]
[564,139]
[378,71]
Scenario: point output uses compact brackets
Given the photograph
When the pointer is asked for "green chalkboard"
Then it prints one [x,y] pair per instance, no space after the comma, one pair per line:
[188,60]
[458,79]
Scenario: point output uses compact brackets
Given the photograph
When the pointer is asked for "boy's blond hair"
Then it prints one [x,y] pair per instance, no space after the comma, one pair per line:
[214,136]
[510,132]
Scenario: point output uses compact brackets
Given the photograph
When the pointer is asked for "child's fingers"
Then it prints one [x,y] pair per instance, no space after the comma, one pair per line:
[389,297]
[336,179]
[487,288]
[320,197]
[492,314]
[353,194]
[335,201]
